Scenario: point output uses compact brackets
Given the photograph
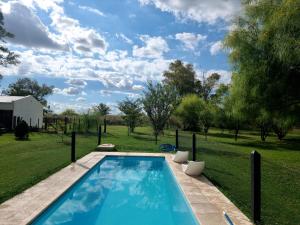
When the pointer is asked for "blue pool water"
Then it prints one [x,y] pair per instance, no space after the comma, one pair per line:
[122,191]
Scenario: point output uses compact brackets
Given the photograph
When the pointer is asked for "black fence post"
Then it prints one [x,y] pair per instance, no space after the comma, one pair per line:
[66,123]
[104,126]
[99,135]
[46,123]
[255,186]
[194,147]
[38,123]
[14,122]
[73,159]
[78,125]
[176,143]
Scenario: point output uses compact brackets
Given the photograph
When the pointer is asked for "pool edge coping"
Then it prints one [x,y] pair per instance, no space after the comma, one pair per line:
[188,185]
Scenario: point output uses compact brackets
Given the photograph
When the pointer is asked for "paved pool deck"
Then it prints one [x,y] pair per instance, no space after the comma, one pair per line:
[207,202]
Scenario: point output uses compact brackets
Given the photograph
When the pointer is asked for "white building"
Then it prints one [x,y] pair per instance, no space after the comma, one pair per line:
[16,108]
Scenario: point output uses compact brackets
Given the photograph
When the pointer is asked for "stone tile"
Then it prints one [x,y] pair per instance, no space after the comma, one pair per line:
[211,218]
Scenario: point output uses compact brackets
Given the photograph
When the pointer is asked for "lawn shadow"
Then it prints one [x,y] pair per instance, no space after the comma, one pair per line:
[143,138]
[223,153]
[223,135]
[287,144]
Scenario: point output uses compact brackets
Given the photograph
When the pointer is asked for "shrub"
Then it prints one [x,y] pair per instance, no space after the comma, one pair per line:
[22,130]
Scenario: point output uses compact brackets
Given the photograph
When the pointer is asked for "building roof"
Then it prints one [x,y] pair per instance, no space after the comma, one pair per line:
[9,99]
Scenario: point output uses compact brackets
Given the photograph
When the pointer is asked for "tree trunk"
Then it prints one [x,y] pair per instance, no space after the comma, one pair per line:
[263,133]
[237,128]
[205,132]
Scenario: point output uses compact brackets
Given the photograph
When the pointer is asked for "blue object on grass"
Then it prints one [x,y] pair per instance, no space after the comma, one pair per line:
[167,147]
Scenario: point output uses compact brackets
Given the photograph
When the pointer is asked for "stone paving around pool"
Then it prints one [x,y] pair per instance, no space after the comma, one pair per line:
[207,202]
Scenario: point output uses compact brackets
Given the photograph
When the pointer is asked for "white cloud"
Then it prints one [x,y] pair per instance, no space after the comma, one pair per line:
[190,40]
[21,18]
[208,11]
[124,38]
[80,99]
[132,16]
[108,70]
[216,47]
[28,28]
[225,75]
[59,107]
[69,91]
[92,10]
[126,93]
[137,87]
[76,82]
[154,47]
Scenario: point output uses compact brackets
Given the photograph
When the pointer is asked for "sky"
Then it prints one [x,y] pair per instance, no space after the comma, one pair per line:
[96,51]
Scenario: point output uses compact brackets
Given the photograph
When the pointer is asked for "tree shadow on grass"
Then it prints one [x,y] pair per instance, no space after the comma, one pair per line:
[224,153]
[223,135]
[143,138]
[140,133]
[287,144]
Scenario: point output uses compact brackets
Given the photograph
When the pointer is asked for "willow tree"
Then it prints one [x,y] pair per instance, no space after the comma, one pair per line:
[265,53]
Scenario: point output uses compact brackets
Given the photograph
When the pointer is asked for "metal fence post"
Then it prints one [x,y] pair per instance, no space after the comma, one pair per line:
[104,126]
[66,123]
[73,159]
[176,141]
[255,186]
[194,147]
[99,135]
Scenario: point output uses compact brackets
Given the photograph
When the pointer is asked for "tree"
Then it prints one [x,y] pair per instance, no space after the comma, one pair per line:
[159,103]
[208,84]
[181,77]
[102,109]
[206,115]
[188,111]
[7,57]
[132,111]
[236,112]
[69,112]
[265,53]
[282,124]
[26,86]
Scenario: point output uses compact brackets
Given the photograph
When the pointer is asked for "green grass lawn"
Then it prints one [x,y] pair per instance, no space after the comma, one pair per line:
[24,163]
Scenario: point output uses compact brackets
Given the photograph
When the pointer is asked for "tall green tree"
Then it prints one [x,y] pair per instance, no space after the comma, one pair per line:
[188,112]
[265,53]
[26,86]
[69,112]
[132,112]
[206,115]
[206,87]
[7,57]
[235,110]
[159,103]
[180,76]
[102,109]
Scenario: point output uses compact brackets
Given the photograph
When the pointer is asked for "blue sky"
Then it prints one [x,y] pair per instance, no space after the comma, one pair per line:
[105,51]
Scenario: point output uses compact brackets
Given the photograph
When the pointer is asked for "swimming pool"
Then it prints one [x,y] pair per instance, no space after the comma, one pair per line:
[126,190]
